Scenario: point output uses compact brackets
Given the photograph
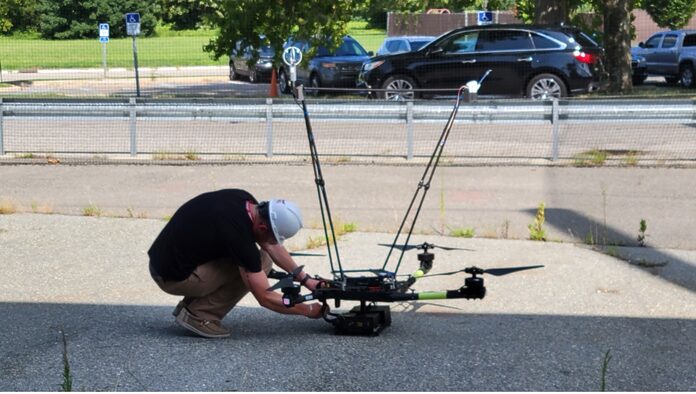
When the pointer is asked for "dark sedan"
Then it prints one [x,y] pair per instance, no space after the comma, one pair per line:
[536,62]
[257,68]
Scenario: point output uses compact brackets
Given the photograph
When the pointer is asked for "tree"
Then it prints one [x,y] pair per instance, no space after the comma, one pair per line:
[551,12]
[317,21]
[63,19]
[671,14]
[617,43]
[186,14]
[17,15]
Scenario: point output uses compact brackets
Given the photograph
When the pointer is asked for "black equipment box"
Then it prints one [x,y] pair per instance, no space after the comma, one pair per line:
[364,320]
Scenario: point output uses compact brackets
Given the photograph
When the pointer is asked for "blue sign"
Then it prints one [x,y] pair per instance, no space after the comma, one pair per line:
[133,17]
[104,32]
[133,24]
[292,56]
[485,17]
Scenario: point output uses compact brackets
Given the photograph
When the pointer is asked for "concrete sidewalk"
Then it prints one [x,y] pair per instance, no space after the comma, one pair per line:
[112,73]
[583,205]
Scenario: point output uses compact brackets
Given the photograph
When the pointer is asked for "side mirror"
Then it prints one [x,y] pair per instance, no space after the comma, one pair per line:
[370,53]
[641,44]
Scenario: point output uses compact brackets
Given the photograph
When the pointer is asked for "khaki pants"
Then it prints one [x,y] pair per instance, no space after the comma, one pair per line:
[214,288]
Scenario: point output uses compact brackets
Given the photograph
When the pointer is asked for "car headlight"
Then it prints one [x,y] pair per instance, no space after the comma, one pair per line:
[372,65]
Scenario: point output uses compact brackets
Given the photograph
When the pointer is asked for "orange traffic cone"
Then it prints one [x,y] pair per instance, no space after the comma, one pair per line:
[273,89]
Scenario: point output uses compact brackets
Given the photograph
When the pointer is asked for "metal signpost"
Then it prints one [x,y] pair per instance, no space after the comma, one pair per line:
[104,38]
[133,29]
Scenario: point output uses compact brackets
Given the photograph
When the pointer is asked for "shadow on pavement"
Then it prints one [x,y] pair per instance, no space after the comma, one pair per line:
[138,348]
[655,261]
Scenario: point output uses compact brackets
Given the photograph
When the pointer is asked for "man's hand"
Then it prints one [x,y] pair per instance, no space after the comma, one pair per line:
[317,310]
[312,284]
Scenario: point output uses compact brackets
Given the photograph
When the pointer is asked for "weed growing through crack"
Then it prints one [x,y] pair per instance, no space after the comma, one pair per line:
[605,366]
[67,376]
[7,207]
[41,208]
[192,156]
[536,228]
[641,232]
[631,159]
[339,228]
[91,210]
[467,232]
[505,229]
[592,158]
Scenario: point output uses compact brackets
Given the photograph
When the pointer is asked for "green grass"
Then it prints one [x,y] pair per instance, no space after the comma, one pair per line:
[168,49]
[370,39]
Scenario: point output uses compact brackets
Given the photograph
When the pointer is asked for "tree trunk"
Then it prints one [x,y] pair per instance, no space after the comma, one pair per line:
[551,12]
[617,43]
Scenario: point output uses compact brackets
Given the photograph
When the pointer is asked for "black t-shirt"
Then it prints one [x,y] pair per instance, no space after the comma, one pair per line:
[210,226]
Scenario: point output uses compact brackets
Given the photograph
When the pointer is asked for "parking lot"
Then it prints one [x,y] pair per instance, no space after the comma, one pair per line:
[203,82]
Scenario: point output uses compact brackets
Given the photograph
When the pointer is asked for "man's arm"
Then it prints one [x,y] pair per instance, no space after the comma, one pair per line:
[282,258]
[257,283]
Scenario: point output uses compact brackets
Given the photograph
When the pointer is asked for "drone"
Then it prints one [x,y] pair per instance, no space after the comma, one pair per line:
[378,285]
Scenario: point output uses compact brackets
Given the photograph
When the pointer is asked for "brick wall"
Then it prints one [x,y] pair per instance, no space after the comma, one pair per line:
[436,24]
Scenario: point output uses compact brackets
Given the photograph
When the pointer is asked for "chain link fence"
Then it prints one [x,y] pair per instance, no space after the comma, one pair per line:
[566,132]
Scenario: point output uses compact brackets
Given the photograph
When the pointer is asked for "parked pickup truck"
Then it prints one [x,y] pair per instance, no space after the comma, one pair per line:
[670,54]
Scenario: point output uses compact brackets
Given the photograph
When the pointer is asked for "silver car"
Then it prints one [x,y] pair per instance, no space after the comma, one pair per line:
[403,44]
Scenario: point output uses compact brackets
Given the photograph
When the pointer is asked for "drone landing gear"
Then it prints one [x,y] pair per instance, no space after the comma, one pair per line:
[364,320]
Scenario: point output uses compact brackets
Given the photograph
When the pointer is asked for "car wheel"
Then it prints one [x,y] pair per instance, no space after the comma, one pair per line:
[638,80]
[398,88]
[546,87]
[283,84]
[233,72]
[686,76]
[253,77]
[314,84]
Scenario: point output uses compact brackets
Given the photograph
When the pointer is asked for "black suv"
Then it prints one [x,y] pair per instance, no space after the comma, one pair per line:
[533,61]
[337,69]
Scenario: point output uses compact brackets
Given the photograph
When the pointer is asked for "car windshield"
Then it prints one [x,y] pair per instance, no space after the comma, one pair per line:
[584,40]
[416,45]
[348,48]
[266,51]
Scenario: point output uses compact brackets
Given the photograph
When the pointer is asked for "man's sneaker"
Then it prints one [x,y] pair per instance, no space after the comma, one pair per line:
[178,308]
[204,328]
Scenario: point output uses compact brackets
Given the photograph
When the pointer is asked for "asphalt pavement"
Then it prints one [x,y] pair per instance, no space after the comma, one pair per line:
[539,330]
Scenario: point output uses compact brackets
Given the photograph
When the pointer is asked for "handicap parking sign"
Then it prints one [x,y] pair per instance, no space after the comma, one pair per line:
[133,24]
[485,17]
[133,18]
[104,32]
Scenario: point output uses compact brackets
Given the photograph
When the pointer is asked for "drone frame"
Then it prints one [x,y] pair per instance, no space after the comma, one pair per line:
[378,285]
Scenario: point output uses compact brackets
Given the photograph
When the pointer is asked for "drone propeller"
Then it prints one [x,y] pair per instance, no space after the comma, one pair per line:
[491,271]
[424,245]
[286,280]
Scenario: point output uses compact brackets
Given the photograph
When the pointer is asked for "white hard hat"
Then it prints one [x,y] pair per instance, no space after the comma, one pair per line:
[285,217]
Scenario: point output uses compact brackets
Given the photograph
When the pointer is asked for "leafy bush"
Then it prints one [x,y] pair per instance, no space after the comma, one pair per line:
[69,19]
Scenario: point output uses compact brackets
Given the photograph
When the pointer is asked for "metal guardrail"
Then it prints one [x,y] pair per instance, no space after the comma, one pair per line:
[271,111]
